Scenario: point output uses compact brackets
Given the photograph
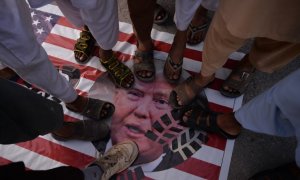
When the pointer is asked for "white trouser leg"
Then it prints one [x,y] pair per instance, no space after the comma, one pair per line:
[20,51]
[100,16]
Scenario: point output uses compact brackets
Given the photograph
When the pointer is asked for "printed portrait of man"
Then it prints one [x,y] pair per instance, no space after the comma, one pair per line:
[136,111]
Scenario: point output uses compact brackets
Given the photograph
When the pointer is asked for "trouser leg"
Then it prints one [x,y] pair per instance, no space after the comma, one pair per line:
[276,111]
[25,115]
[218,45]
[268,55]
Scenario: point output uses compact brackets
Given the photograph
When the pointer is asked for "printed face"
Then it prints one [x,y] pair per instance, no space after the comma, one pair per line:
[136,110]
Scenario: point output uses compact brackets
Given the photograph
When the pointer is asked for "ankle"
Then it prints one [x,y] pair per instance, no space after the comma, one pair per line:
[145,45]
[78,103]
[228,123]
[105,54]
[204,80]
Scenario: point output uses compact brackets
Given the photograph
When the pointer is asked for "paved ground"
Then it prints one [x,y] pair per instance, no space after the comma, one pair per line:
[252,152]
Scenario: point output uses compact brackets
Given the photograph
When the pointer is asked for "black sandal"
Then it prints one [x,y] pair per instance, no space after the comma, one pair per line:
[94,108]
[84,45]
[119,72]
[201,119]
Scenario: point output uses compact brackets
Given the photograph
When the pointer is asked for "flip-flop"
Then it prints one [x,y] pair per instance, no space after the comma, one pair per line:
[193,31]
[172,70]
[160,11]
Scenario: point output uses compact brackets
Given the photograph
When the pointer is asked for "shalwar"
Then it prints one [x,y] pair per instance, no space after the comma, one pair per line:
[276,111]
[185,11]
[101,17]
[273,24]
[20,51]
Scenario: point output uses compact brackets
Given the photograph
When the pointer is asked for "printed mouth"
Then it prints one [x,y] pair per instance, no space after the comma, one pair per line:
[135,129]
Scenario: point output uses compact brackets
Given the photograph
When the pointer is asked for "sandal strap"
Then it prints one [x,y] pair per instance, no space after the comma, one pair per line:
[117,69]
[173,64]
[143,56]
[241,84]
[85,45]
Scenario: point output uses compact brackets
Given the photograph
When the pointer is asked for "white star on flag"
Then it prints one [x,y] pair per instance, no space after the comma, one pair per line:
[35,22]
[40,31]
[32,14]
[49,18]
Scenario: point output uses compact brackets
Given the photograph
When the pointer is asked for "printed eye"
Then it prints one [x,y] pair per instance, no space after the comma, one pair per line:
[161,103]
[134,95]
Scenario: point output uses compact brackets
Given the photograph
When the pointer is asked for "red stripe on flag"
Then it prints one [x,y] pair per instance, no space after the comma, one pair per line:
[49,149]
[60,41]
[87,71]
[216,141]
[200,168]
[4,161]
[65,22]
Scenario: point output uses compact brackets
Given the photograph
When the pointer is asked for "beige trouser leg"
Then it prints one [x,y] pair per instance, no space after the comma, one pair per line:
[268,55]
[219,43]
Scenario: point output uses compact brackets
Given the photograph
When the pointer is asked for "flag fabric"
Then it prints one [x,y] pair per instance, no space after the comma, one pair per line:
[58,36]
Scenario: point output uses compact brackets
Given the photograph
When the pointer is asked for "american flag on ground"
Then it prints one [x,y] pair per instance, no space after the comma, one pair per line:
[58,37]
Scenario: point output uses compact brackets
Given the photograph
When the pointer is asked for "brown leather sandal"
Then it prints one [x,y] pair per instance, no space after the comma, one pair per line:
[143,61]
[186,91]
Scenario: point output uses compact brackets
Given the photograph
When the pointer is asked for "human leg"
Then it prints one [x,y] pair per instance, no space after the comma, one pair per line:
[103,23]
[196,117]
[275,111]
[184,11]
[266,55]
[25,114]
[28,58]
[219,43]
[141,14]
[269,55]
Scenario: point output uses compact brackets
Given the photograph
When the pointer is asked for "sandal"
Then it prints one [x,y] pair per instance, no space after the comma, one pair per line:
[238,86]
[187,91]
[94,109]
[201,119]
[86,130]
[85,46]
[143,62]
[193,31]
[172,71]
[160,15]
[120,73]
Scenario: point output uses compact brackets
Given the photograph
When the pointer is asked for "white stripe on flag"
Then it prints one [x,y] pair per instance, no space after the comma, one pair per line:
[65,31]
[172,174]
[84,147]
[68,55]
[49,8]
[16,153]
[209,154]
